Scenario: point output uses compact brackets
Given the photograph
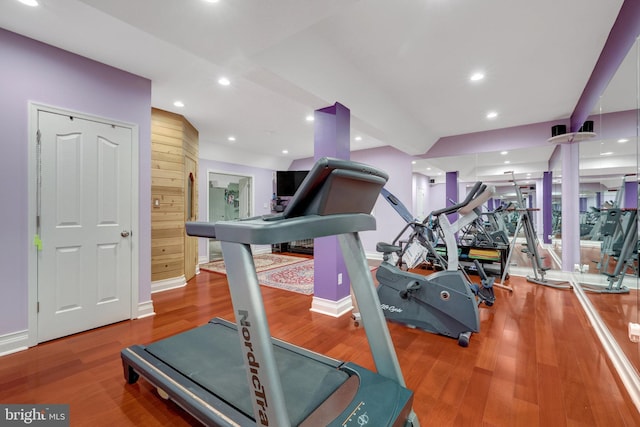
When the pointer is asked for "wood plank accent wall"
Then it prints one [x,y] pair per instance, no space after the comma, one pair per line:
[173,139]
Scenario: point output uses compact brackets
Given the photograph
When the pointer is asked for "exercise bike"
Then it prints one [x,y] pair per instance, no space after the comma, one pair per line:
[445,302]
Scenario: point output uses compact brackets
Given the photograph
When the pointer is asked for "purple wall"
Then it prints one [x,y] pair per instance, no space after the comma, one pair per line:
[330,139]
[452,193]
[631,194]
[583,204]
[616,125]
[262,189]
[547,206]
[532,135]
[33,71]
[398,165]
[609,126]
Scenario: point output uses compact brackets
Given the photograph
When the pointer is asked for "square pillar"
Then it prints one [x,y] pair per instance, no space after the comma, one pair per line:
[331,280]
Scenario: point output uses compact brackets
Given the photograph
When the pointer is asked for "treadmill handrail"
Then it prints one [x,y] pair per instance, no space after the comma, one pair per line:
[336,198]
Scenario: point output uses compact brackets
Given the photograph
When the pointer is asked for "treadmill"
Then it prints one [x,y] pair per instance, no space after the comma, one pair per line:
[236,374]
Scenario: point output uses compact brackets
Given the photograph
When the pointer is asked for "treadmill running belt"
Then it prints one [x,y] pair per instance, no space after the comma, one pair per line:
[211,356]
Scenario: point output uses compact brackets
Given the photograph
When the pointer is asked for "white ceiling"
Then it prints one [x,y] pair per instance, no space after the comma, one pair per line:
[402,67]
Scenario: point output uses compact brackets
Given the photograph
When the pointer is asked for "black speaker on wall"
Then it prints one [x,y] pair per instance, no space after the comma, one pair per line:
[587,126]
[558,130]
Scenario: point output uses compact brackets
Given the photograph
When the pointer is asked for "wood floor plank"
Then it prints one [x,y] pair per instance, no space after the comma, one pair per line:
[535,362]
[551,391]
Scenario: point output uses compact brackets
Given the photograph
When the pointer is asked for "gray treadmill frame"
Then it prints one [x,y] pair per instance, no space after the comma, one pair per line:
[326,204]
[249,308]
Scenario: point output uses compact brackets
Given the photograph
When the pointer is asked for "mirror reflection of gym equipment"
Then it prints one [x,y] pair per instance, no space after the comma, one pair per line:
[531,245]
[229,198]
[607,163]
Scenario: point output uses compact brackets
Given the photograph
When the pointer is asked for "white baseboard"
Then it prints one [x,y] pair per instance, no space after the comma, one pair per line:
[261,249]
[376,256]
[166,284]
[19,341]
[14,342]
[145,309]
[332,308]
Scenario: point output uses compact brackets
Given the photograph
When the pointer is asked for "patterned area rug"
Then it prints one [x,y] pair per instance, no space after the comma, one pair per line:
[295,278]
[263,262]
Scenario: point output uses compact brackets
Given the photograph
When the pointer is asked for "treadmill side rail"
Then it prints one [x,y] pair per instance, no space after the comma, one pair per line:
[196,400]
[380,401]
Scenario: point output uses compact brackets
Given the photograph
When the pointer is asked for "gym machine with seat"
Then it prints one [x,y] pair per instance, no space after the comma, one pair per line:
[445,302]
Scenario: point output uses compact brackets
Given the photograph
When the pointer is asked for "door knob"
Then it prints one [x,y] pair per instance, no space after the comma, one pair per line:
[124,234]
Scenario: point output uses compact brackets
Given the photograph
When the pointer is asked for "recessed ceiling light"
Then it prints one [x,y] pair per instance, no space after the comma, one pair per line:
[309,118]
[476,77]
[179,104]
[285,151]
[231,138]
[413,162]
[428,169]
[32,3]
[506,162]
[223,81]
[358,138]
[606,153]
[492,115]
[623,140]
[504,153]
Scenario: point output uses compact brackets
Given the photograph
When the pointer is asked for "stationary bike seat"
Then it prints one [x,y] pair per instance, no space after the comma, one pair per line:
[386,248]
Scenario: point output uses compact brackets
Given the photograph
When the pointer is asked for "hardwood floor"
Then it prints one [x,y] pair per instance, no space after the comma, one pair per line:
[617,310]
[536,362]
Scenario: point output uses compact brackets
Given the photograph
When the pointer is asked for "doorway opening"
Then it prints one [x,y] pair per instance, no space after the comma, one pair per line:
[229,197]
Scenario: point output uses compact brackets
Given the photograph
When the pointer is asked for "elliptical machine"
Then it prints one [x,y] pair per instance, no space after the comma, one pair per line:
[531,244]
[620,244]
[444,302]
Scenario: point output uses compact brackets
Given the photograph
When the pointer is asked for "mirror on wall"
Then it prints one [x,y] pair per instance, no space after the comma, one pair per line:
[554,239]
[608,200]
[517,177]
[608,207]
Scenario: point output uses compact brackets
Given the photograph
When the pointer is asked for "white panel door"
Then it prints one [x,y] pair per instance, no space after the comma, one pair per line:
[84,267]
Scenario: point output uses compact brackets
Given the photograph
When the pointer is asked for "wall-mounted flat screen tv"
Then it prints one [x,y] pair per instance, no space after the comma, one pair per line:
[287,182]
